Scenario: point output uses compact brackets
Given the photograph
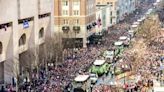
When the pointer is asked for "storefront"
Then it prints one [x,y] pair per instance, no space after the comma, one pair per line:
[72,42]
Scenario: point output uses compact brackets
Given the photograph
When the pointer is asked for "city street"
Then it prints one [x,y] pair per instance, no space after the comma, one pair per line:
[119,47]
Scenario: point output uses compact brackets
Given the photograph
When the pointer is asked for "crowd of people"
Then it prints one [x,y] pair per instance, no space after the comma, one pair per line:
[77,61]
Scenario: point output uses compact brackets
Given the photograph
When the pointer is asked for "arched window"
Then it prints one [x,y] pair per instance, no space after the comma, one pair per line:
[41,32]
[1,47]
[22,40]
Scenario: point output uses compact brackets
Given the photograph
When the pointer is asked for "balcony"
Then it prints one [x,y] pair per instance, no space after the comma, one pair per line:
[66,29]
[76,29]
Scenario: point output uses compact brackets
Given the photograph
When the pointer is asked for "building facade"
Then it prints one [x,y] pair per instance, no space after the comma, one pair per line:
[113,9]
[76,19]
[103,13]
[119,8]
[23,24]
[126,7]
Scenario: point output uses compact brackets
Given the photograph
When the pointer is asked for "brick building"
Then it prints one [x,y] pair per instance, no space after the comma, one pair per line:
[76,19]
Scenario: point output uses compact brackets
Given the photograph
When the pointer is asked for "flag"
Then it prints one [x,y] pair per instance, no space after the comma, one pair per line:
[99,21]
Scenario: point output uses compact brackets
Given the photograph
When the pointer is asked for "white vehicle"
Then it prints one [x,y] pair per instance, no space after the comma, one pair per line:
[131,33]
[118,43]
[125,40]
[109,54]
[93,78]
[136,23]
[134,26]
[82,84]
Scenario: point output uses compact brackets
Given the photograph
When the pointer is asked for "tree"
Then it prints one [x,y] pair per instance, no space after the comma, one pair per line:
[149,29]
[53,51]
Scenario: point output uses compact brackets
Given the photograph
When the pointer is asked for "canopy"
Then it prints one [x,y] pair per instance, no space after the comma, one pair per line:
[123,37]
[99,62]
[81,78]
[118,43]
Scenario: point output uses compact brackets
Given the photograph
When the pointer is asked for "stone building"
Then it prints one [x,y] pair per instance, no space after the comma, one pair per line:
[23,24]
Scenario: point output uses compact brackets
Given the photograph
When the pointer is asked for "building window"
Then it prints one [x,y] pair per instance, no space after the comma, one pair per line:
[22,40]
[111,13]
[1,47]
[76,12]
[65,12]
[76,2]
[65,21]
[111,20]
[111,4]
[41,32]
[76,21]
[65,3]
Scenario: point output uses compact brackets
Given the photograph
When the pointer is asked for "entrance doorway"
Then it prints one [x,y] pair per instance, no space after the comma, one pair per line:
[72,43]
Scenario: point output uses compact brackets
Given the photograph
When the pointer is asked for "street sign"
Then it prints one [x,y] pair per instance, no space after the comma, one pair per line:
[25,24]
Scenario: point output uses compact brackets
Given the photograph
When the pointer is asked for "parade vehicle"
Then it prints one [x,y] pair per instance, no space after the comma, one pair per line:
[131,33]
[118,71]
[100,67]
[93,78]
[109,54]
[82,84]
[125,40]
[136,23]
[134,26]
[119,48]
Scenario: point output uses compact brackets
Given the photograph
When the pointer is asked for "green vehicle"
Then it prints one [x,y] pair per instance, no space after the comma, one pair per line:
[118,71]
[100,67]
[119,48]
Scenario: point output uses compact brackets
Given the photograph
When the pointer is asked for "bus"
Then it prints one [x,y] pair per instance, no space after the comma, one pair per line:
[82,84]
[100,67]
